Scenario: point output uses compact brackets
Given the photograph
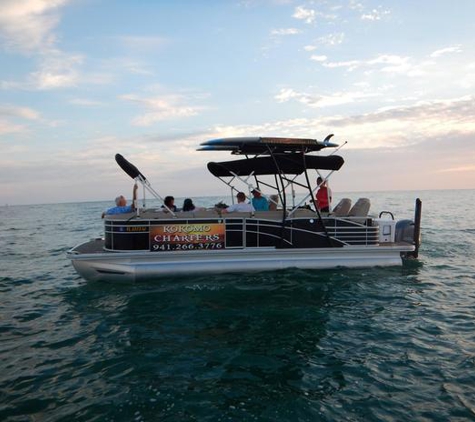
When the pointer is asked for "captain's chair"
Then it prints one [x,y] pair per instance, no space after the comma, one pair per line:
[360,209]
[342,208]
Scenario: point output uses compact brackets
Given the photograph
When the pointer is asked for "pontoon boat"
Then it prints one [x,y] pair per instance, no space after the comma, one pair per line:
[151,243]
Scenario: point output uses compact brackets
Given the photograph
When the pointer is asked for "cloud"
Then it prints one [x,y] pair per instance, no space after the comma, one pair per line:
[387,127]
[316,101]
[285,31]
[437,66]
[58,70]
[142,43]
[70,179]
[307,15]
[349,64]
[431,139]
[17,119]
[21,112]
[332,39]
[54,74]
[134,66]
[356,5]
[409,124]
[375,14]
[326,41]
[318,58]
[7,127]
[10,113]
[461,169]
[163,107]
[391,63]
[85,102]
[455,113]
[27,25]
[447,50]
[384,59]
[386,63]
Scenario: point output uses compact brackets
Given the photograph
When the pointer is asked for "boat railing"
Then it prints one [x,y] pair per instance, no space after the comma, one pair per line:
[262,228]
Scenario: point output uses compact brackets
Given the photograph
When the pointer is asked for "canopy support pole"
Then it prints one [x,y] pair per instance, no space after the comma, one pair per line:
[148,187]
[311,194]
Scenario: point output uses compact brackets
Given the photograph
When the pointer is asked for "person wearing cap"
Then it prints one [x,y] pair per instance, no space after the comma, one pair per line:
[121,204]
[241,206]
[259,202]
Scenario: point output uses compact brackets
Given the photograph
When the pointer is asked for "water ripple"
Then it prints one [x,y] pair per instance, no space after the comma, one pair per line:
[360,345]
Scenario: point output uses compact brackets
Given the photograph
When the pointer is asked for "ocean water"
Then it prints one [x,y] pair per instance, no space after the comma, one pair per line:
[393,344]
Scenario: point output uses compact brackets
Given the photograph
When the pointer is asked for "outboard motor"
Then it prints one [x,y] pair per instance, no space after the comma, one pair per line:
[405,231]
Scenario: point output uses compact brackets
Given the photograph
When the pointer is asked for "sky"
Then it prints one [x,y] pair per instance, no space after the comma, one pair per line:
[82,80]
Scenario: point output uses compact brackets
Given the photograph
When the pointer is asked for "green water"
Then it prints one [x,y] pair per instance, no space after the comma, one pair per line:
[361,345]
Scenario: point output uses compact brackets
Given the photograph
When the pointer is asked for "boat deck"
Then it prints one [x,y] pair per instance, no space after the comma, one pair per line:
[93,246]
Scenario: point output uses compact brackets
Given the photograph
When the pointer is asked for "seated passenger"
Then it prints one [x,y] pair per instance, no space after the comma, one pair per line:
[274,200]
[121,204]
[259,202]
[169,203]
[241,205]
[188,205]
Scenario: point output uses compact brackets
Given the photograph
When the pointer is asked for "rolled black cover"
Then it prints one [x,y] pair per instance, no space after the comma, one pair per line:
[285,163]
[128,167]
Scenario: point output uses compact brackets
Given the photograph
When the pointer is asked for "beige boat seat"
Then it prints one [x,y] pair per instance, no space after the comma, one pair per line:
[184,214]
[360,209]
[342,208]
[210,213]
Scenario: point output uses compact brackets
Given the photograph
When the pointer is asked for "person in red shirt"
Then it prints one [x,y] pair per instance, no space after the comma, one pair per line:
[324,196]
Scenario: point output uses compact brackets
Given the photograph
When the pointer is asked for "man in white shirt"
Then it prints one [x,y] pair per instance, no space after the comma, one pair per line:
[241,205]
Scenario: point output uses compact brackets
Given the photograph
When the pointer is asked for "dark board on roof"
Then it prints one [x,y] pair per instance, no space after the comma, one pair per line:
[263,145]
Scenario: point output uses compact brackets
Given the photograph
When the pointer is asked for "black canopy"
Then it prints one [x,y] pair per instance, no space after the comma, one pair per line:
[285,163]
[128,167]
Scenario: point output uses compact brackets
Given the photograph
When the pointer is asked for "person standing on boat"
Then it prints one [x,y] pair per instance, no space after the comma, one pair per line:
[241,206]
[259,202]
[121,206]
[324,196]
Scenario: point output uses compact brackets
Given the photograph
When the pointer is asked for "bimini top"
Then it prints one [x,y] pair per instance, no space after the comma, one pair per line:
[262,145]
[277,164]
